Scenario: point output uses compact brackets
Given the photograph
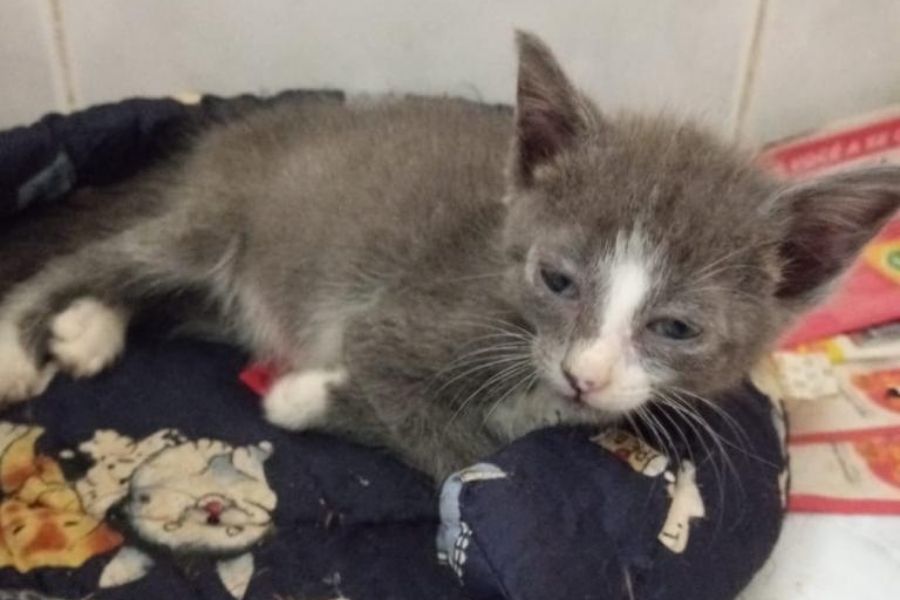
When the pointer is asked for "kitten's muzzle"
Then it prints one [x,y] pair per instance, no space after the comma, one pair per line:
[581,385]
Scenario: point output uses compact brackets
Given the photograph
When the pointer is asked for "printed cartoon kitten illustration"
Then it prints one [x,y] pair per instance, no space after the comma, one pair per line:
[204,498]
[438,278]
[185,496]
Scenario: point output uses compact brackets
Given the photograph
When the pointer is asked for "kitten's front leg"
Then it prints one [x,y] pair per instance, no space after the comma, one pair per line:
[426,438]
[302,399]
[82,337]
[325,400]
[383,394]
[74,312]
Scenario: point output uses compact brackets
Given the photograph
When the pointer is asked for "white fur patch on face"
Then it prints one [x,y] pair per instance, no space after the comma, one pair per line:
[606,368]
[300,400]
[629,283]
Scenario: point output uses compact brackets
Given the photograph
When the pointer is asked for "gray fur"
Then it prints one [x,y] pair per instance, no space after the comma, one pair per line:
[390,240]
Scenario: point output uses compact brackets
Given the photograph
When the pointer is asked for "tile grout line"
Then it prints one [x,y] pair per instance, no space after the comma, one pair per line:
[61,50]
[748,79]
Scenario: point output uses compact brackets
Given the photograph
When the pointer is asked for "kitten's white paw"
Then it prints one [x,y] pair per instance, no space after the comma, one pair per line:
[87,336]
[300,400]
[20,376]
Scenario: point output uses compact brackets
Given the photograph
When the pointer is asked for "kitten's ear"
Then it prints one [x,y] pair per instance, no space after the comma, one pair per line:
[829,221]
[549,110]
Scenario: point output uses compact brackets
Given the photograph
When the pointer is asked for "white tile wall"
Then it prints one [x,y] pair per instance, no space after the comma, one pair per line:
[817,59]
[668,54]
[627,56]
[27,78]
[822,60]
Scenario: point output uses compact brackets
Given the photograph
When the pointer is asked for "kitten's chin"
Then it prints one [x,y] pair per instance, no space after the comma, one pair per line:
[610,402]
[581,408]
[614,404]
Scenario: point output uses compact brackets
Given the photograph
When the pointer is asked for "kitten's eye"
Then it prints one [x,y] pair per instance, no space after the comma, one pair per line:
[674,329]
[558,283]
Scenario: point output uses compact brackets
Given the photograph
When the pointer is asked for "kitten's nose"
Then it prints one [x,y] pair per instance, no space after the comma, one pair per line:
[584,384]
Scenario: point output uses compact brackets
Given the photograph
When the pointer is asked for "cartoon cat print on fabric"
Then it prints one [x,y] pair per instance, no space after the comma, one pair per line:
[200,497]
[115,458]
[681,484]
[203,498]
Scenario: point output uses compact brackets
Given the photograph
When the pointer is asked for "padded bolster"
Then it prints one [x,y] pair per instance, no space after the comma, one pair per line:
[563,513]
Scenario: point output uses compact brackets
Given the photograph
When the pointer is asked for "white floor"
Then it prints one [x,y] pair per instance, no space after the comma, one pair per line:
[832,557]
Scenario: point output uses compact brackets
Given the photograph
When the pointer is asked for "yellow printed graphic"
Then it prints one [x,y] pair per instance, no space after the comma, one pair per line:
[42,520]
[885,258]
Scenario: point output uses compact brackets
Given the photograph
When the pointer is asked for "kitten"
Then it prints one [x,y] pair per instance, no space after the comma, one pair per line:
[430,290]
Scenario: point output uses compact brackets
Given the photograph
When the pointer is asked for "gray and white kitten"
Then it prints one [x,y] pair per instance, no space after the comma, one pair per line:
[438,279]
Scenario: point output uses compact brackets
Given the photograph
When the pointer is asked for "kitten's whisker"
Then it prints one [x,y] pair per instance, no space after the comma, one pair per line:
[741,445]
[717,460]
[743,267]
[689,411]
[746,297]
[672,447]
[499,273]
[710,456]
[664,414]
[496,323]
[641,414]
[467,357]
[718,261]
[734,425]
[480,348]
[503,359]
[497,333]
[636,428]
[526,381]
[689,418]
[502,375]
[508,376]
[508,347]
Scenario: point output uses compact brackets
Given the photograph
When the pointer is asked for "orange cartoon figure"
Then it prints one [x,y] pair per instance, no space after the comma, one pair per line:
[42,520]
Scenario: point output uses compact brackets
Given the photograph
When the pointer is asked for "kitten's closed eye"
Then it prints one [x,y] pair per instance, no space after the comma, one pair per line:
[674,329]
[558,282]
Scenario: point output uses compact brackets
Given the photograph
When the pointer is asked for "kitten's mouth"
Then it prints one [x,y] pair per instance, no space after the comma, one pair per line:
[576,397]
[573,394]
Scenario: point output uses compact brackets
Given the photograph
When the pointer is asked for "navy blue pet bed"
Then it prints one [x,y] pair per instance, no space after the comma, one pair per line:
[159,479]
